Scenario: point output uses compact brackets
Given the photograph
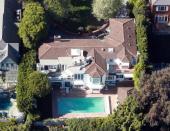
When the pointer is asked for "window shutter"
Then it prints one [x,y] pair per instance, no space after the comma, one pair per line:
[157,8]
[166,8]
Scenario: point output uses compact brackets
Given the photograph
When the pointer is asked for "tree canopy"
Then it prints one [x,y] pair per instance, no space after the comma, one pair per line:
[58,9]
[127,116]
[140,13]
[31,84]
[33,26]
[154,98]
[38,84]
[26,66]
[105,9]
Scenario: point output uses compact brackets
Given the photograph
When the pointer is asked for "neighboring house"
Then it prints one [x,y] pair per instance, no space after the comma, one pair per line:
[91,63]
[9,41]
[161,15]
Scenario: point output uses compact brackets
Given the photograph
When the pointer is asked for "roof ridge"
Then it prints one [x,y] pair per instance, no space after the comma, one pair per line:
[100,68]
[46,50]
[6,52]
[129,52]
[95,70]
[100,56]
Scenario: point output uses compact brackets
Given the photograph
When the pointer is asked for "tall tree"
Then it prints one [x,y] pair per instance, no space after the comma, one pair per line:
[38,84]
[127,116]
[140,13]
[154,98]
[26,66]
[57,9]
[105,9]
[33,26]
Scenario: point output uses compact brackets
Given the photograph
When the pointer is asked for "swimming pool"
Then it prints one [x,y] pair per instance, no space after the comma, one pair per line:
[5,103]
[80,105]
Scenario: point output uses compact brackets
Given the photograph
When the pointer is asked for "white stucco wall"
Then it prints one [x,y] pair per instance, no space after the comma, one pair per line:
[89,84]
[61,60]
[48,62]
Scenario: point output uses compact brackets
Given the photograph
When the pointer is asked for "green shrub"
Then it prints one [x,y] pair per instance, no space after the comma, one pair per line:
[27,66]
[33,24]
[139,11]
[12,126]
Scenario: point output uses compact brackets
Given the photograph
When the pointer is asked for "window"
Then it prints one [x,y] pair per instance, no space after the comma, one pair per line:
[82,76]
[161,18]
[96,80]
[12,66]
[46,67]
[67,84]
[111,60]
[111,68]
[75,77]
[110,77]
[78,76]
[119,76]
[62,67]
[162,8]
[85,53]
[52,67]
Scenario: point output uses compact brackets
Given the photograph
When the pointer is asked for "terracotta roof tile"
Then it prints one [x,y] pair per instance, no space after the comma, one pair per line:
[98,66]
[121,38]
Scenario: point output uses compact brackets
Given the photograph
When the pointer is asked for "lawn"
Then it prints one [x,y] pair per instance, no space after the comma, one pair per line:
[80,18]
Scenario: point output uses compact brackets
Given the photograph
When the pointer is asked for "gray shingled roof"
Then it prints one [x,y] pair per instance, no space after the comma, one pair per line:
[1,17]
[11,51]
[162,2]
[8,29]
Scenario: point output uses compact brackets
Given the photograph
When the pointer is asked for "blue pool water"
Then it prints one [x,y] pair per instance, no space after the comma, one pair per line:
[80,105]
[5,103]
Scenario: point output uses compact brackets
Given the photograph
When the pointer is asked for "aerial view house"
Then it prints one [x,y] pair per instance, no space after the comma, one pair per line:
[161,12]
[89,62]
[9,42]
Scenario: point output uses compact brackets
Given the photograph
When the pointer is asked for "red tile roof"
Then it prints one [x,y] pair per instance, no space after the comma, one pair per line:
[121,38]
[98,66]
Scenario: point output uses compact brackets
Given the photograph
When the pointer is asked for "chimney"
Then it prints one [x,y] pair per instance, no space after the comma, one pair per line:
[57,38]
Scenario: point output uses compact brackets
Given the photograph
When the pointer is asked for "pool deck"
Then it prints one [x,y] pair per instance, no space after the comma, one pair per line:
[112,94]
